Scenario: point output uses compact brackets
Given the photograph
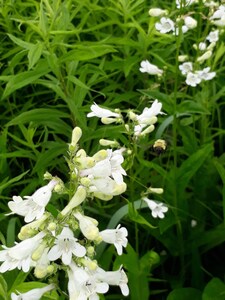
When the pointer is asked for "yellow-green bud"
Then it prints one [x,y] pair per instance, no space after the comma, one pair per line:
[90,251]
[104,142]
[50,269]
[103,196]
[107,121]
[52,226]
[155,190]
[76,135]
[40,272]
[100,155]
[36,255]
[85,181]
[149,129]
[76,200]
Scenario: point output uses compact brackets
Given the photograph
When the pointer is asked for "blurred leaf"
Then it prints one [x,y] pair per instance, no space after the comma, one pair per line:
[34,54]
[3,288]
[214,290]
[185,294]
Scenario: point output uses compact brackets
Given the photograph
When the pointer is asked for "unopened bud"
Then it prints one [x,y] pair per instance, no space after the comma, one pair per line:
[205,56]
[36,255]
[76,200]
[155,190]
[76,135]
[104,142]
[102,196]
[157,12]
[85,181]
[149,129]
[100,155]
[182,58]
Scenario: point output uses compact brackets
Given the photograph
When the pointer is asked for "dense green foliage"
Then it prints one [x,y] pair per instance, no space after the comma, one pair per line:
[57,58]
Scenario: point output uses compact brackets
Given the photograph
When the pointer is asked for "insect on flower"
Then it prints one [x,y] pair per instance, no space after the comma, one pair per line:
[159,146]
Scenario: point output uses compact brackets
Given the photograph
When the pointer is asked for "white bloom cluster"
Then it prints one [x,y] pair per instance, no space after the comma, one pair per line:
[68,241]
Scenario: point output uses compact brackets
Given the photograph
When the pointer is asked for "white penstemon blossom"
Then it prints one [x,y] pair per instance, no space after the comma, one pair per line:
[106,115]
[20,255]
[158,209]
[186,67]
[34,294]
[65,246]
[33,207]
[193,79]
[117,236]
[165,25]
[147,67]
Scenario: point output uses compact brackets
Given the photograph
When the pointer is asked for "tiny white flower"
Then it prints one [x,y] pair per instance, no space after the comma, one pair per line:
[33,207]
[205,74]
[158,209]
[117,236]
[147,67]
[182,58]
[34,294]
[157,12]
[65,246]
[193,79]
[186,67]
[190,22]
[165,25]
[20,255]
[194,223]
[213,36]
[97,111]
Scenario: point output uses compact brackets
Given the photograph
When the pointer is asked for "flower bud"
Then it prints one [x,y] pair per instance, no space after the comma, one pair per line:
[100,155]
[104,142]
[103,196]
[107,121]
[131,115]
[119,189]
[52,226]
[182,58]
[155,190]
[36,255]
[205,56]
[88,226]
[149,129]
[76,135]
[85,181]
[76,200]
[90,251]
[157,12]
[90,264]
[190,22]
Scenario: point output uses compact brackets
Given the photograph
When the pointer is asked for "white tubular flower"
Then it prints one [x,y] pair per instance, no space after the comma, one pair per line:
[204,56]
[20,255]
[97,111]
[116,159]
[147,67]
[186,67]
[148,115]
[76,200]
[117,236]
[42,265]
[205,74]
[107,186]
[219,13]
[157,12]
[193,79]
[190,22]
[117,278]
[165,25]
[88,226]
[65,246]
[213,36]
[33,207]
[34,294]
[85,285]
[158,209]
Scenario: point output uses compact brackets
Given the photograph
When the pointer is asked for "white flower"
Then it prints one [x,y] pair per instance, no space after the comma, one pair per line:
[84,284]
[186,67]
[33,207]
[19,256]
[34,294]
[97,111]
[193,79]
[117,236]
[147,67]
[157,12]
[205,74]
[88,226]
[165,25]
[158,209]
[190,22]
[65,246]
[117,278]
[218,18]
[213,36]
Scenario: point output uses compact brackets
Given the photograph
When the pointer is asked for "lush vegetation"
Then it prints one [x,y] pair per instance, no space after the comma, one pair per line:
[57,59]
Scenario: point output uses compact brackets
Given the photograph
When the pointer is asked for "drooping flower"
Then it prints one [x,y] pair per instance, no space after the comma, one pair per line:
[213,36]
[34,294]
[117,236]
[165,25]
[116,278]
[158,209]
[20,255]
[193,79]
[147,67]
[33,207]
[190,22]
[65,246]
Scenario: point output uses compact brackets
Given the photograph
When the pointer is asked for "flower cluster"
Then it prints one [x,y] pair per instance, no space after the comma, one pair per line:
[49,244]
[213,18]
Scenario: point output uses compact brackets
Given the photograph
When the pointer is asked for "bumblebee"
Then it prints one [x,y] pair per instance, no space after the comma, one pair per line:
[159,146]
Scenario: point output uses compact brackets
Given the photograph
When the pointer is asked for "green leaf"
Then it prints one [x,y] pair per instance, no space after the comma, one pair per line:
[221,171]
[34,54]
[20,80]
[136,217]
[214,290]
[9,182]
[20,42]
[87,52]
[3,288]
[185,294]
